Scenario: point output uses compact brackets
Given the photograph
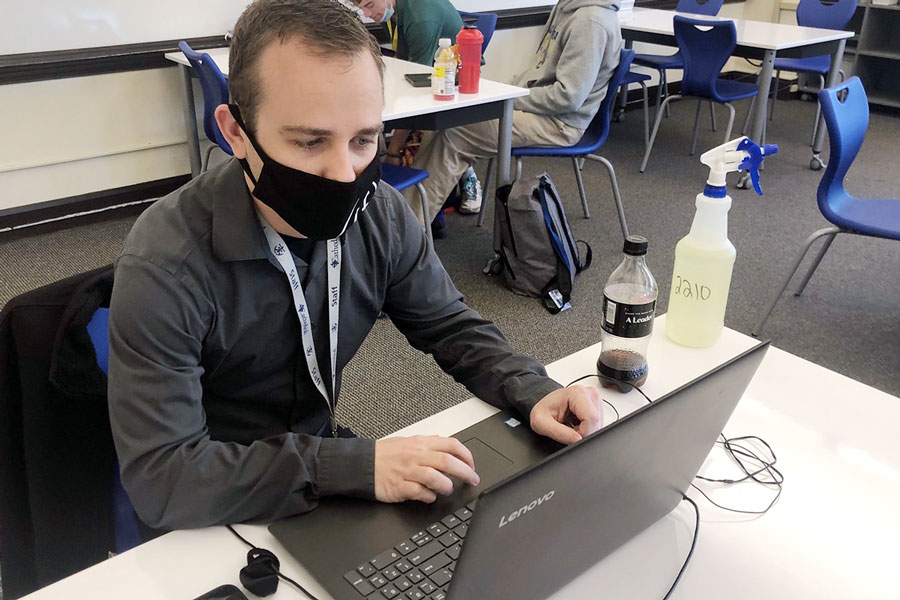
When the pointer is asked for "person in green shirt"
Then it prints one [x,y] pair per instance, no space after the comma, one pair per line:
[415,27]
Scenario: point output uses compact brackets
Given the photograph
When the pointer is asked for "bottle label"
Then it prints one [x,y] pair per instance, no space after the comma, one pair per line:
[628,320]
[443,81]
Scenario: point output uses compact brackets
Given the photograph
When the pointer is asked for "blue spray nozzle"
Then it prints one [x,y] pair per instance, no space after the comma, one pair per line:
[754,157]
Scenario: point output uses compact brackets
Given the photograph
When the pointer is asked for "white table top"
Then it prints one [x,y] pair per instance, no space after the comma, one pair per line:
[831,535]
[401,100]
[754,34]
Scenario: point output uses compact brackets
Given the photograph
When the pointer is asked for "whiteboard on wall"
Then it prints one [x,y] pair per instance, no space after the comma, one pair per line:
[49,25]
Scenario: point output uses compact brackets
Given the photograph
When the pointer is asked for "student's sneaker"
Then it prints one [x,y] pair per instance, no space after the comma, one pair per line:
[472,197]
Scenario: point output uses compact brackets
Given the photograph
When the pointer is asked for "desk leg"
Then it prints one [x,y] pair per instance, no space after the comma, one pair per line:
[190,120]
[763,84]
[816,162]
[762,98]
[504,144]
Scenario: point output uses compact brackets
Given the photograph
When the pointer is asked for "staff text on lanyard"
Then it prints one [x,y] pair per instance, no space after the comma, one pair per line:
[283,256]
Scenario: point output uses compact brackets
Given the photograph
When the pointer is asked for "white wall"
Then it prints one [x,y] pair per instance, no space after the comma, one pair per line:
[74,136]
[46,25]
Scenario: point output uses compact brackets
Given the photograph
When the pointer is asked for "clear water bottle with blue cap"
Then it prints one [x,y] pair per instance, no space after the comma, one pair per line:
[704,259]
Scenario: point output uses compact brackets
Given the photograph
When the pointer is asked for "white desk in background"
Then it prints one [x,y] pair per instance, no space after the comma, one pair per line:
[404,107]
[757,40]
[832,535]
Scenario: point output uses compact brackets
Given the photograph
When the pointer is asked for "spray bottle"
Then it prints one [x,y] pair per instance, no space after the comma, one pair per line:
[705,257]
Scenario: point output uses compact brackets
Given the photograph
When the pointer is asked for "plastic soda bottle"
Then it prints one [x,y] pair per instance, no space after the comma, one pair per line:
[629,303]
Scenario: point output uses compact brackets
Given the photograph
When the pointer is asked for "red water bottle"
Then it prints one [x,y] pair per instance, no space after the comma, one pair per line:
[469,41]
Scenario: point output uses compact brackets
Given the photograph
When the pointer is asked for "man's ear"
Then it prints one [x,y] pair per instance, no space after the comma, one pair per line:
[233,133]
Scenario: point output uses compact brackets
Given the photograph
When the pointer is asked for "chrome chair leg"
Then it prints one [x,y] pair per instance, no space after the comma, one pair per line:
[425,216]
[580,182]
[646,116]
[696,127]
[832,231]
[774,97]
[661,84]
[750,110]
[817,260]
[812,140]
[712,116]
[486,191]
[731,112]
[659,115]
[615,188]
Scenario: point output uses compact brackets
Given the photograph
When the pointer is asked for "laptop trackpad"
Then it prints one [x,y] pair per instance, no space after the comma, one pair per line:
[490,465]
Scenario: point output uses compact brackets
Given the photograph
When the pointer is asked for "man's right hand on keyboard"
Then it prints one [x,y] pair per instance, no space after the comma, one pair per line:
[417,468]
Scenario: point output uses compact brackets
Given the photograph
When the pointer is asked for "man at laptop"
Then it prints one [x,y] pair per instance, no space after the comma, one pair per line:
[240,297]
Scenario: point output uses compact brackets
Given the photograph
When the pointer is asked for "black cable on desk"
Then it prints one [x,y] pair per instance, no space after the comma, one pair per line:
[765,465]
[690,552]
[280,574]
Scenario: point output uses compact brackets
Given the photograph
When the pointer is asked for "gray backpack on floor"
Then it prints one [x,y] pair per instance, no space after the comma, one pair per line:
[535,252]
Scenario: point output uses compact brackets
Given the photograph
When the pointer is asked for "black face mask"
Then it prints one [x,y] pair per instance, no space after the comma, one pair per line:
[319,208]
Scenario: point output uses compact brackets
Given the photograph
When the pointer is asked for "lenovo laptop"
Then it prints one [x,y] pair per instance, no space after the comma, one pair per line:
[516,535]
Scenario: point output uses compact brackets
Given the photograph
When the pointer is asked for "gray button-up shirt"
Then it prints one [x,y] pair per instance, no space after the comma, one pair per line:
[213,412]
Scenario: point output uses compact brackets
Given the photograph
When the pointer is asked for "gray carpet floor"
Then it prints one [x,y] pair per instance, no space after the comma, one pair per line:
[847,320]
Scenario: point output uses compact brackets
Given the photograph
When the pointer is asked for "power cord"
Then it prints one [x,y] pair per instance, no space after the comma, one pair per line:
[280,574]
[691,551]
[762,472]
[604,400]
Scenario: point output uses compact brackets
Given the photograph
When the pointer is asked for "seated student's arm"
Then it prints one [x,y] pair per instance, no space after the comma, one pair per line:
[576,73]
[175,475]
[426,307]
[422,39]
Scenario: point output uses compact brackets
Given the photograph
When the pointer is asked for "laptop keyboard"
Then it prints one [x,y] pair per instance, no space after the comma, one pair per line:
[417,568]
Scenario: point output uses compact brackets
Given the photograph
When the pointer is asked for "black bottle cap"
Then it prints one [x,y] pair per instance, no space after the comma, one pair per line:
[635,245]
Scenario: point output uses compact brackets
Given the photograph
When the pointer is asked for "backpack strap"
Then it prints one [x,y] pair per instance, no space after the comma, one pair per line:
[588,256]
[565,235]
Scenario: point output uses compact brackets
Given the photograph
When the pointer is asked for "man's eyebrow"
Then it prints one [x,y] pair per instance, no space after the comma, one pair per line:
[305,130]
[374,130]
[315,131]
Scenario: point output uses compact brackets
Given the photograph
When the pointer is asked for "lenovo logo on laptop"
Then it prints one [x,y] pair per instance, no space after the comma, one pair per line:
[504,520]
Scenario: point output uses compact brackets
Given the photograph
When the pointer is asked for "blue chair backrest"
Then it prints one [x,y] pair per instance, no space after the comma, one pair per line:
[126,530]
[485,22]
[710,8]
[705,52]
[215,92]
[847,121]
[98,331]
[597,132]
[835,15]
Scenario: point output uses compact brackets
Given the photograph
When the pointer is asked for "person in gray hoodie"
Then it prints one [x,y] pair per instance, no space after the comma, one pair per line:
[567,82]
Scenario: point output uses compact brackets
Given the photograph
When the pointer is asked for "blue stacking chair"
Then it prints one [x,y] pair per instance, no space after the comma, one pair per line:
[846,111]
[813,13]
[665,62]
[594,137]
[641,79]
[215,92]
[706,47]
[126,530]
[485,22]
[405,177]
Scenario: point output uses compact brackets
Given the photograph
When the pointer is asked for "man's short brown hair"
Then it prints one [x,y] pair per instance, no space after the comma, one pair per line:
[325,27]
